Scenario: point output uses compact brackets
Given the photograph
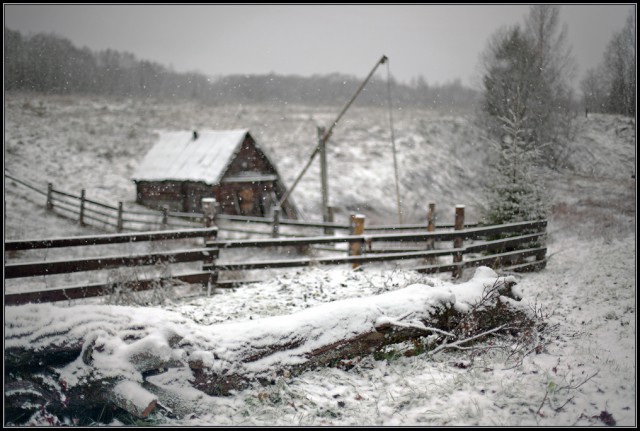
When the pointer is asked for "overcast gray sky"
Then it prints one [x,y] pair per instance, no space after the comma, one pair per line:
[439,42]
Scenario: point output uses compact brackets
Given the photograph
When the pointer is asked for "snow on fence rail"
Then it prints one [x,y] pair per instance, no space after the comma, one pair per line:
[524,240]
[99,214]
[200,256]
[511,245]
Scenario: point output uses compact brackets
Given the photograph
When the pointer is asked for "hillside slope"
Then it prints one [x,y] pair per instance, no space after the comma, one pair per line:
[96,143]
[586,295]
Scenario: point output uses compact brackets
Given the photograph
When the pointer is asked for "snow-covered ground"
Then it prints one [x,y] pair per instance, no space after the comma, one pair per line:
[585,375]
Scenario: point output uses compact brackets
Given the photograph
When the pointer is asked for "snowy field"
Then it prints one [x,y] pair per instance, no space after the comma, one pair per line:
[585,374]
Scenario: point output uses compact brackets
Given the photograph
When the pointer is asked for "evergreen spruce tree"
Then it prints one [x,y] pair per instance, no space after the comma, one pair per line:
[515,191]
[525,112]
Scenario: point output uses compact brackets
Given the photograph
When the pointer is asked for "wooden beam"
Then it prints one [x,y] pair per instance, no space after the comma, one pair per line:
[472,233]
[92,290]
[99,263]
[30,244]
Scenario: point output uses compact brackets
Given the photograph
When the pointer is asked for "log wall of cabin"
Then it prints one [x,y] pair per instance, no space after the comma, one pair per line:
[159,194]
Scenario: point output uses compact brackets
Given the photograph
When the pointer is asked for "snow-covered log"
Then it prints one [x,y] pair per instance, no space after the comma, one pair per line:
[133,398]
[137,354]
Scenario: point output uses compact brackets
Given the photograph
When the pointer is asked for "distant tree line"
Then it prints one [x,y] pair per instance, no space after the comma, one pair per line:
[611,87]
[47,63]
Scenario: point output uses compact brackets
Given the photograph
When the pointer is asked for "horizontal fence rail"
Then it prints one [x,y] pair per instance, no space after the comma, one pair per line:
[99,214]
[488,246]
[451,248]
[332,225]
[86,211]
[23,183]
[32,269]
[527,244]
[289,263]
[30,244]
[92,290]
[473,233]
[200,256]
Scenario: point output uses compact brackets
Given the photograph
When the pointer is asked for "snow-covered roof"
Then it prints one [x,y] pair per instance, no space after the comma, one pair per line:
[178,156]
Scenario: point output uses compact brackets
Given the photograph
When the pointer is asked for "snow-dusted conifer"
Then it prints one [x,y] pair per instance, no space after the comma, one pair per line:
[515,191]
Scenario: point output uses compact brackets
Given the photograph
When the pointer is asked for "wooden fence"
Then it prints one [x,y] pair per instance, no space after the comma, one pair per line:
[514,246]
[102,215]
[201,255]
[89,212]
[523,240]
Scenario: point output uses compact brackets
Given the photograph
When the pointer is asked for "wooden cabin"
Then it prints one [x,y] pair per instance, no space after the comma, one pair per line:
[185,166]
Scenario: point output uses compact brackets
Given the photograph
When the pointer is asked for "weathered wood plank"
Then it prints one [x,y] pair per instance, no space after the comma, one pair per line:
[106,262]
[162,235]
[467,234]
[99,289]
[497,258]
[288,263]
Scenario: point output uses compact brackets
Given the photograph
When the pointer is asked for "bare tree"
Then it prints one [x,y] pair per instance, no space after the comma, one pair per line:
[509,79]
[553,54]
[594,92]
[620,68]
[556,67]
[526,110]
[611,87]
[527,70]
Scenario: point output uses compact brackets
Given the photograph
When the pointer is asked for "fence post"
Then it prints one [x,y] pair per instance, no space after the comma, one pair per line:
[458,241]
[209,209]
[329,230]
[431,227]
[275,229]
[119,216]
[165,217]
[542,255]
[356,223]
[82,198]
[49,196]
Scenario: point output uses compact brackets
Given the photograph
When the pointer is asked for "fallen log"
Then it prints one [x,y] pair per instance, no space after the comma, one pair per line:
[127,352]
[133,398]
